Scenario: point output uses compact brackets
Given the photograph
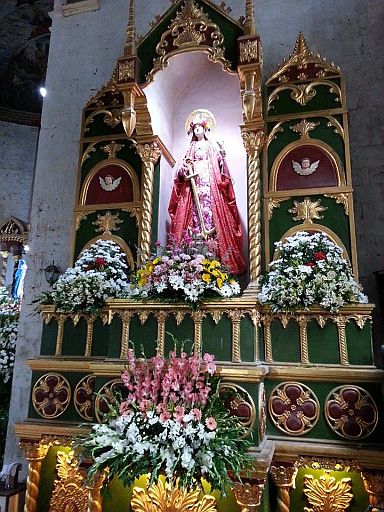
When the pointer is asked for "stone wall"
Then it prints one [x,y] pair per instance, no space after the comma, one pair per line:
[18,146]
[83,53]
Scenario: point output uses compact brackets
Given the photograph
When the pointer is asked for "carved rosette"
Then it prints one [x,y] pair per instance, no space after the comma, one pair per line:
[239,403]
[351,412]
[294,408]
[83,397]
[106,397]
[51,395]
[253,143]
[250,50]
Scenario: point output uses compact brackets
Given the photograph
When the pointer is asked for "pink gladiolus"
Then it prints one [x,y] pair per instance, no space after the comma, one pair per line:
[211,423]
[196,414]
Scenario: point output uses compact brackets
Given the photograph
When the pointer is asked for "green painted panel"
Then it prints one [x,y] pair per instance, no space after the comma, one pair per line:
[359,343]
[323,100]
[74,338]
[114,337]
[144,336]
[359,502]
[247,339]
[323,343]
[285,342]
[48,339]
[100,339]
[217,339]
[127,231]
[181,334]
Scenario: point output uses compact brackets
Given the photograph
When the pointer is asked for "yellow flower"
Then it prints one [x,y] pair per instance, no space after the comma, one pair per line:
[206,277]
[219,282]
[156,261]
[214,264]
[205,262]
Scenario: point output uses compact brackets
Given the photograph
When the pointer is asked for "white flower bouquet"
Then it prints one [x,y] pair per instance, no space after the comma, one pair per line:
[310,269]
[99,274]
[188,272]
[9,318]
[172,422]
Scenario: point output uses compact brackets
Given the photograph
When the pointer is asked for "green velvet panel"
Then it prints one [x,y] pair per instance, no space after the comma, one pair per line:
[127,231]
[100,339]
[247,340]
[181,334]
[285,342]
[359,501]
[74,341]
[217,339]
[114,337]
[359,343]
[323,343]
[144,336]
[48,339]
[323,100]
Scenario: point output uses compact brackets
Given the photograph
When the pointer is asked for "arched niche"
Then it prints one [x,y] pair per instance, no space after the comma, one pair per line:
[119,241]
[189,82]
[327,174]
[127,190]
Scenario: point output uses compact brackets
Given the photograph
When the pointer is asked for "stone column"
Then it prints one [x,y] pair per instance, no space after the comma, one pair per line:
[34,453]
[283,477]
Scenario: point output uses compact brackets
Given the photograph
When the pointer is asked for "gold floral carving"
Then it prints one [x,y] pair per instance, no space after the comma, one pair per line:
[360,320]
[304,127]
[325,494]
[328,463]
[126,70]
[307,210]
[341,198]
[162,496]
[112,149]
[249,51]
[216,315]
[87,153]
[248,495]
[149,154]
[253,143]
[179,316]
[333,122]
[274,202]
[69,493]
[80,216]
[111,118]
[191,28]
[374,485]
[283,477]
[304,93]
[273,133]
[107,223]
[300,58]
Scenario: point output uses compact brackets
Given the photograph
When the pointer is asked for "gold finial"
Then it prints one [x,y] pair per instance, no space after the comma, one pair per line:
[249,24]
[301,47]
[130,45]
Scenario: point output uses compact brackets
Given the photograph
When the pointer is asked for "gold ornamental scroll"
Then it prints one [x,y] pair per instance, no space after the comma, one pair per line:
[35,454]
[149,154]
[253,143]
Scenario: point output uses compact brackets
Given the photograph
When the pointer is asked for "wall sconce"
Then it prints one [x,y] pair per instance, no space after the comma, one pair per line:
[52,273]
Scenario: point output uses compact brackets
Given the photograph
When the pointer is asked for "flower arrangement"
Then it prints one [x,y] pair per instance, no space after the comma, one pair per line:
[9,317]
[188,272]
[310,270]
[100,273]
[172,422]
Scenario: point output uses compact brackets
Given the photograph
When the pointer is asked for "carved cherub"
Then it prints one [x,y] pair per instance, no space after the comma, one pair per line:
[109,183]
[305,168]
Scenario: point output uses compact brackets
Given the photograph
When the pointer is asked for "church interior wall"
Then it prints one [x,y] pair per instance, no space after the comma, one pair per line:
[83,52]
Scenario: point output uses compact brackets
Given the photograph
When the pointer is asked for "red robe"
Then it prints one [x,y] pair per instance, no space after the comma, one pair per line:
[225,215]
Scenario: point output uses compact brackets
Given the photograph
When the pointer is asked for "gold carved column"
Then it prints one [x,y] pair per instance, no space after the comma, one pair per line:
[374,485]
[283,477]
[94,493]
[248,495]
[149,154]
[34,453]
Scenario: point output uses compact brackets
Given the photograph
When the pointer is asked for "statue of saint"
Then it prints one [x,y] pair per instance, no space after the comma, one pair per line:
[203,200]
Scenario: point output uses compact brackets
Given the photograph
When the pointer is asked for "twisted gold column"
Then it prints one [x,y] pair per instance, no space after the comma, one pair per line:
[253,143]
[267,321]
[303,321]
[60,334]
[283,477]
[88,343]
[126,317]
[235,315]
[94,496]
[35,454]
[197,317]
[149,154]
[161,317]
[341,322]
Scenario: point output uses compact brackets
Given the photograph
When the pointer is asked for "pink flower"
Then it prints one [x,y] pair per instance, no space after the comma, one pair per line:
[211,423]
[179,413]
[145,405]
[164,416]
[196,414]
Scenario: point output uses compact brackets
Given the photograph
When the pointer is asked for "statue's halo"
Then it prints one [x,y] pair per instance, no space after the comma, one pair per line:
[199,116]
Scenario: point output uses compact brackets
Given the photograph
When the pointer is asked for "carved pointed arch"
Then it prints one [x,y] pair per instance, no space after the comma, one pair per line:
[119,241]
[190,25]
[13,230]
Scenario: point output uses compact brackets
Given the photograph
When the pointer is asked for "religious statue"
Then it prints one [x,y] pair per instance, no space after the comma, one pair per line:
[203,201]
[305,168]
[109,183]
[18,281]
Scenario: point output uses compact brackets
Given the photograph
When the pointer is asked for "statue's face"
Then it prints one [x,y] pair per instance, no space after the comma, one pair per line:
[305,163]
[198,129]
[108,180]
